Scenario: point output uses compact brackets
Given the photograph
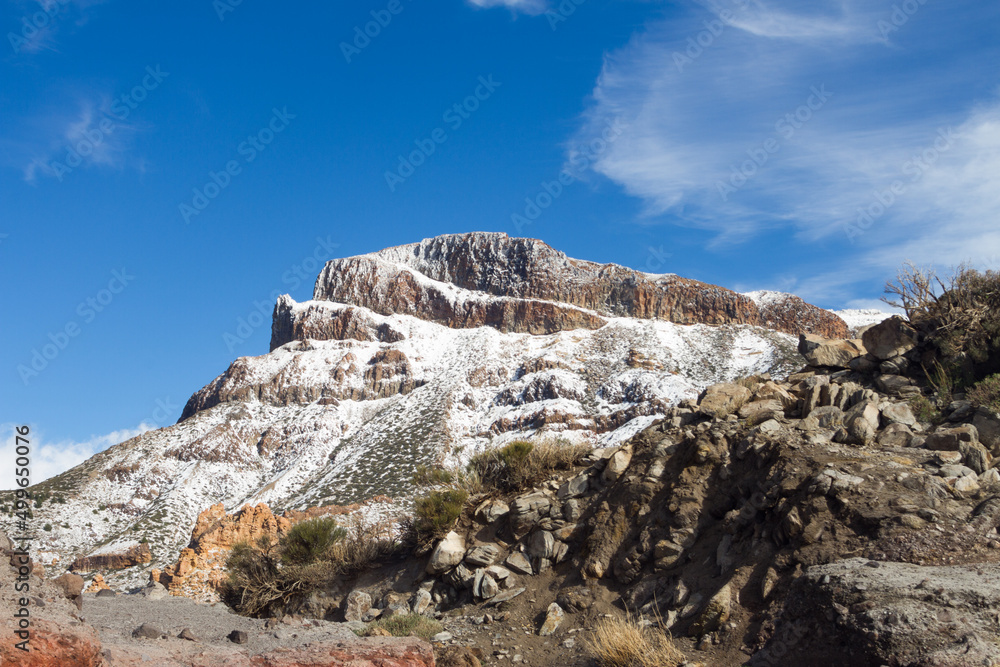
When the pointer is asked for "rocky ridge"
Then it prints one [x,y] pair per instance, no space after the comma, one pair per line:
[350,400]
[813,520]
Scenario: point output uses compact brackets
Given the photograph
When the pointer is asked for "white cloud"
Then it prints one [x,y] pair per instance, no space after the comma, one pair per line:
[526,6]
[702,96]
[49,459]
[80,140]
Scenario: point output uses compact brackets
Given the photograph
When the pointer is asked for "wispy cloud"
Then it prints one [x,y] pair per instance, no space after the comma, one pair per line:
[726,132]
[44,20]
[527,6]
[92,136]
[49,459]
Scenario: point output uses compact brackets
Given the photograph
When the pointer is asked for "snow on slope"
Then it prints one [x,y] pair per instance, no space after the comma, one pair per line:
[472,389]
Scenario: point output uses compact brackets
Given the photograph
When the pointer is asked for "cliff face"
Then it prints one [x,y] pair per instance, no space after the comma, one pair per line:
[536,289]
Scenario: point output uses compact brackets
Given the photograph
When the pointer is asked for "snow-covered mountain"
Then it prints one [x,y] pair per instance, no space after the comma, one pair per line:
[423,354]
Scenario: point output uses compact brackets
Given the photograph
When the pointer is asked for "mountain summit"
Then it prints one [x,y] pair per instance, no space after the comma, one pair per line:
[424,354]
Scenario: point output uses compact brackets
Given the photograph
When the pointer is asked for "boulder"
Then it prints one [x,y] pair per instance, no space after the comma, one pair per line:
[833,353]
[899,413]
[950,439]
[519,563]
[771,390]
[554,616]
[895,436]
[148,631]
[356,605]
[484,586]
[715,614]
[541,545]
[851,613]
[827,417]
[617,464]
[491,511]
[421,601]
[987,424]
[482,556]
[975,456]
[238,637]
[447,554]
[890,338]
[155,591]
[574,487]
[71,586]
[723,399]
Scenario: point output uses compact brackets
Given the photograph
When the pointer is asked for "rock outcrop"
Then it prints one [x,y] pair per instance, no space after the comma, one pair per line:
[536,289]
[135,555]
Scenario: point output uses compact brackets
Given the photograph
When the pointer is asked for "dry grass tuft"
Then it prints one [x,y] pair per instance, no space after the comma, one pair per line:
[622,642]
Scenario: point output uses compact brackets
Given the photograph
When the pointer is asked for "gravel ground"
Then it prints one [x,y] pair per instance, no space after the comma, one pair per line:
[115,618]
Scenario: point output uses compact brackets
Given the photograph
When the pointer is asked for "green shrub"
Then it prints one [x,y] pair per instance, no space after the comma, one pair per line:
[262,578]
[432,476]
[436,513]
[925,410]
[407,625]
[308,541]
[986,393]
[521,464]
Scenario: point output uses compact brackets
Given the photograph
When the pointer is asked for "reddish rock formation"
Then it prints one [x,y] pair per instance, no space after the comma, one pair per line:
[131,557]
[534,288]
[199,570]
[318,322]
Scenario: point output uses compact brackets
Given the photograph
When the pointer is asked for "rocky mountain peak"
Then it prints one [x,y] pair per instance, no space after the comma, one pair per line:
[524,285]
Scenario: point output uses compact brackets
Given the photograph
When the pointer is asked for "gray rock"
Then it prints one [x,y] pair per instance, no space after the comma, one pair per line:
[617,463]
[147,631]
[491,511]
[951,439]
[421,601]
[541,545]
[507,595]
[975,456]
[820,351]
[155,591]
[723,399]
[484,587]
[895,436]
[987,424]
[574,487]
[960,411]
[891,338]
[356,605]
[825,417]
[238,637]
[899,413]
[187,635]
[572,510]
[922,615]
[447,554]
[554,616]
[483,555]
[442,637]
[519,563]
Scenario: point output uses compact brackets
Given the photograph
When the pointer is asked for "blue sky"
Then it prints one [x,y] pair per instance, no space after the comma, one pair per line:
[166,169]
